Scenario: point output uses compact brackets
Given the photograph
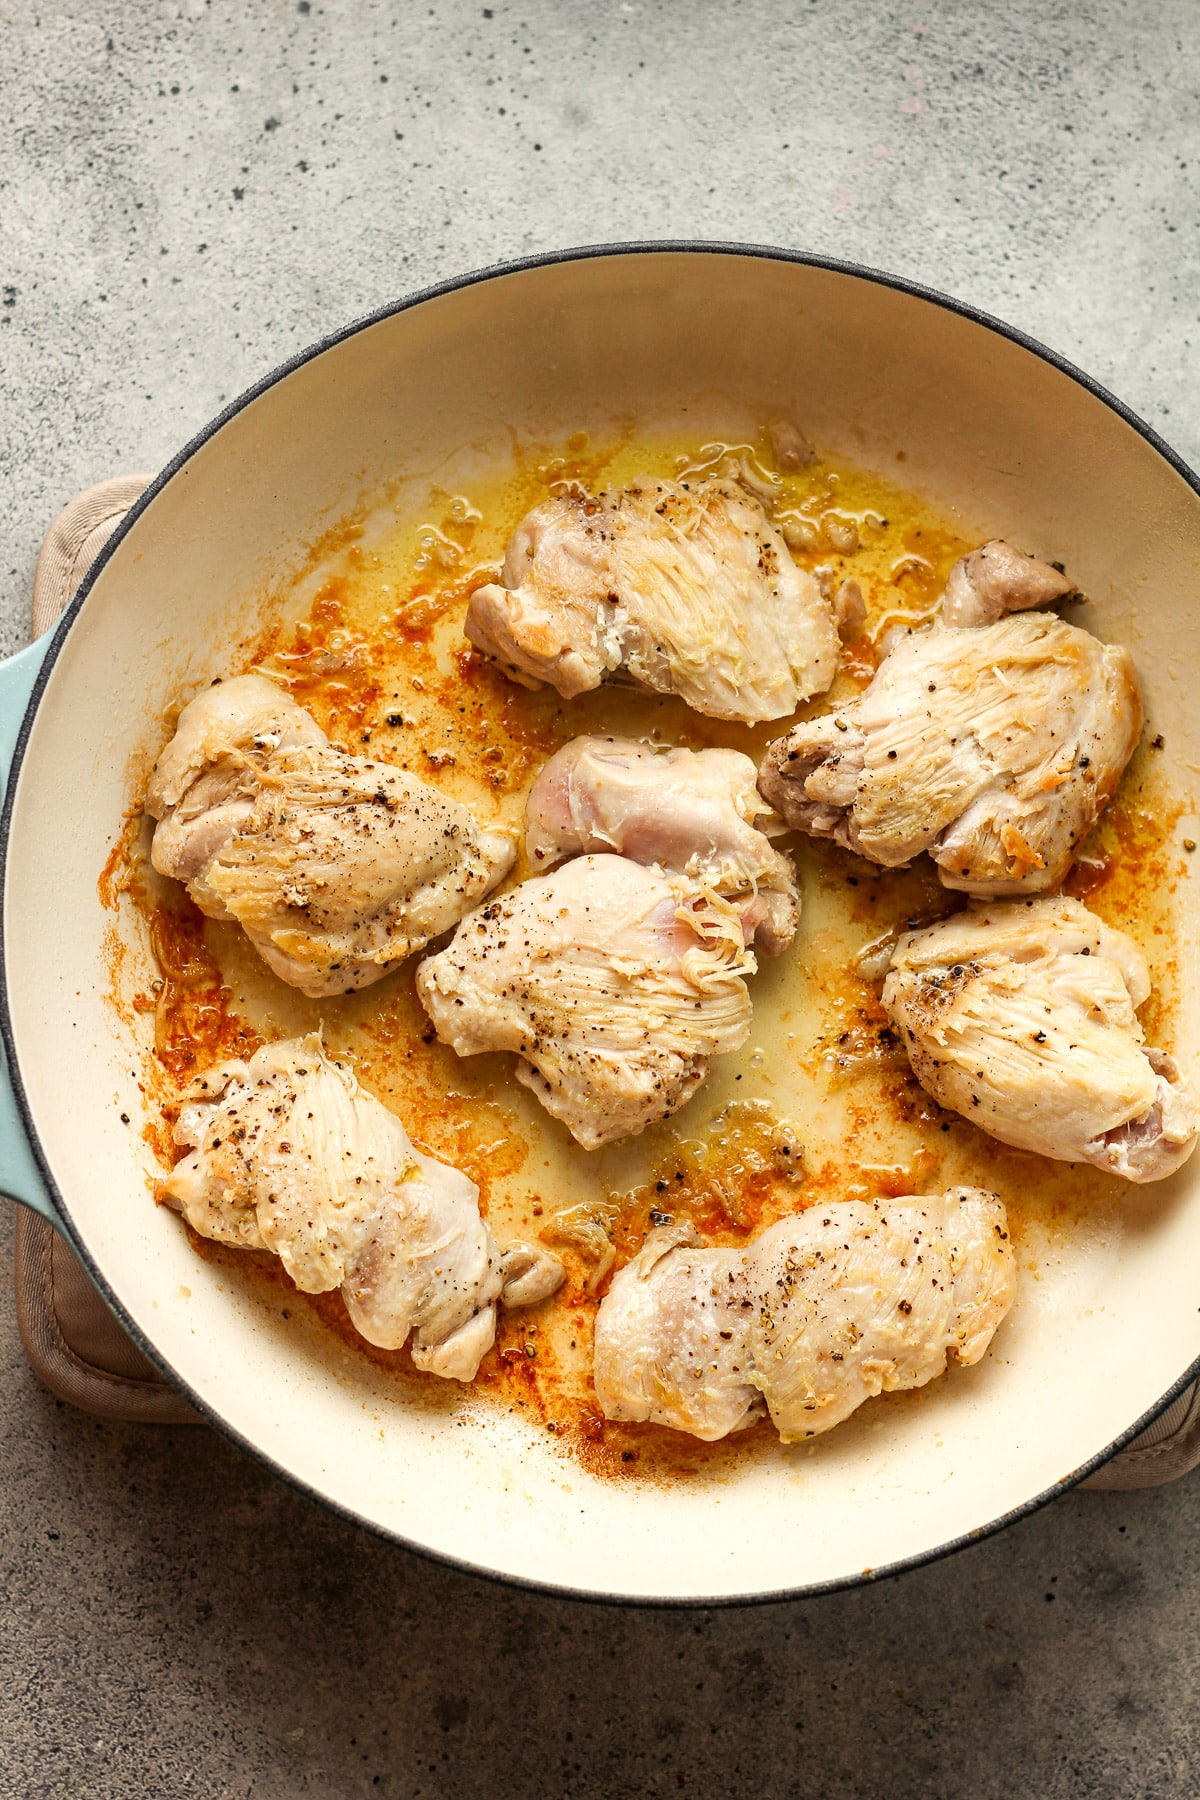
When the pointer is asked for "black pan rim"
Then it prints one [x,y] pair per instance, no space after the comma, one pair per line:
[545,259]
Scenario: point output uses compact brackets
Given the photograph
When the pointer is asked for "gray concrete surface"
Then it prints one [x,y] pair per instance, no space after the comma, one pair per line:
[188,193]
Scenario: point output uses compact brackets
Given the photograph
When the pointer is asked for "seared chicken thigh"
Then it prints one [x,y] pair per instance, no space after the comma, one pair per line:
[818,1314]
[993,748]
[613,984]
[290,1155]
[1023,1017]
[336,867]
[688,812]
[686,586]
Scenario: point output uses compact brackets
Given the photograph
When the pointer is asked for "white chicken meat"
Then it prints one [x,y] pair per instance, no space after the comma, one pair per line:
[289,1154]
[337,867]
[696,813]
[994,746]
[819,1313]
[684,586]
[1023,1018]
[613,984]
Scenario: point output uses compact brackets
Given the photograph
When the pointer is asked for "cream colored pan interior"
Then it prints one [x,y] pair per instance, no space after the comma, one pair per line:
[992,433]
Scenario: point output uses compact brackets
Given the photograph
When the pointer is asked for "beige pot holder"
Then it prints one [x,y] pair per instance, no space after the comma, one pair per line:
[72,1339]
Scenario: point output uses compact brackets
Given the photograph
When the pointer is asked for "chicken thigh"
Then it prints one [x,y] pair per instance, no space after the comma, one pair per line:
[821,1312]
[613,984]
[994,747]
[1023,1017]
[695,813]
[994,580]
[289,1154]
[336,867]
[686,586]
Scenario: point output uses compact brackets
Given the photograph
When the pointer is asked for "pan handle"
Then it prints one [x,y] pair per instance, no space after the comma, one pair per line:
[20,1177]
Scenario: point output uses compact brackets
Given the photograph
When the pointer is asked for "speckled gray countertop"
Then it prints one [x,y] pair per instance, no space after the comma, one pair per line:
[190,190]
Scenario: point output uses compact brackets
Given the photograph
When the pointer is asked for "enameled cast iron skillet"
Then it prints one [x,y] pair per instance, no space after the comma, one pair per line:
[997,432]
